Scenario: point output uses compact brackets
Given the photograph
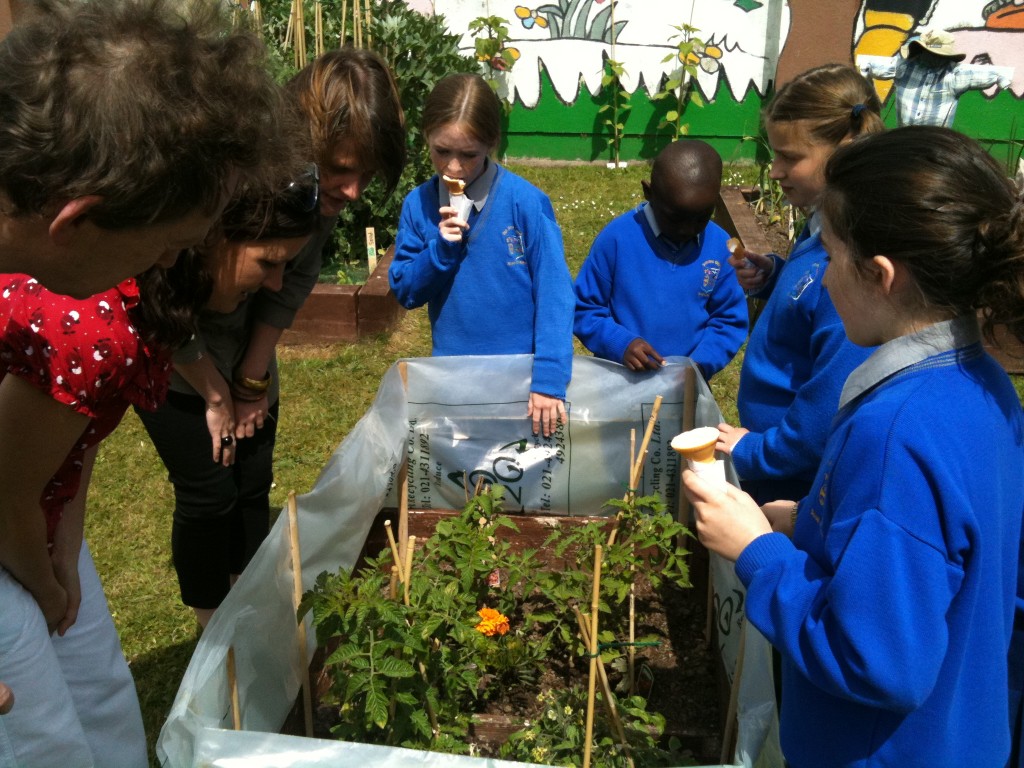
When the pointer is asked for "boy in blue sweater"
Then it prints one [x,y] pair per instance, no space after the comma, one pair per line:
[657,281]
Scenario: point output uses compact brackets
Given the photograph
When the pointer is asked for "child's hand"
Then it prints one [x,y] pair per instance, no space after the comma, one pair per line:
[727,520]
[639,354]
[547,413]
[728,436]
[781,515]
[451,226]
[752,269]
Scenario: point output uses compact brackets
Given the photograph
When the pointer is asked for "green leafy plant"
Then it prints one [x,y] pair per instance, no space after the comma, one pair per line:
[618,105]
[477,619]
[680,85]
[557,736]
[496,57]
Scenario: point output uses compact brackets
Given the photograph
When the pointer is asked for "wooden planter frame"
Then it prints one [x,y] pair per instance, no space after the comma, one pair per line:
[336,314]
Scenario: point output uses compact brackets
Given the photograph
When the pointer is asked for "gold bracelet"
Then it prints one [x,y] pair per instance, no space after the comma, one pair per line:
[253,385]
[792,515]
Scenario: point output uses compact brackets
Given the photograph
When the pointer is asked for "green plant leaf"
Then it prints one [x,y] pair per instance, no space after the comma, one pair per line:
[391,666]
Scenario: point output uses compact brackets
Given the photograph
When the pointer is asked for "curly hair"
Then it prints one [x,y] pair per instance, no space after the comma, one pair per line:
[349,96]
[156,106]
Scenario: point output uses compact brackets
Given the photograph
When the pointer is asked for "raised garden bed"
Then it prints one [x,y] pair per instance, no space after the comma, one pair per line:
[345,313]
[682,675]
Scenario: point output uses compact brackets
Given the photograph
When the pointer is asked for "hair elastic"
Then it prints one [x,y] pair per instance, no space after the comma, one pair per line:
[857,109]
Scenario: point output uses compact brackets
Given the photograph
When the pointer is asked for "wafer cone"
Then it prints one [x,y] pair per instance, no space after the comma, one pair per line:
[697,444]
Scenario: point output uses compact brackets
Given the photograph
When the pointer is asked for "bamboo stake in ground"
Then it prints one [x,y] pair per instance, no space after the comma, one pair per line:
[368,21]
[613,711]
[318,33]
[236,711]
[395,555]
[731,725]
[344,21]
[595,604]
[407,568]
[403,479]
[293,531]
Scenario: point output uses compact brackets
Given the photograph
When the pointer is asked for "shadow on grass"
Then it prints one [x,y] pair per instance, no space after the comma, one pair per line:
[157,677]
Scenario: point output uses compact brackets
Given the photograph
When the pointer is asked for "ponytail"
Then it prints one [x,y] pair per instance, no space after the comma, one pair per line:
[999,251]
[935,201]
[834,100]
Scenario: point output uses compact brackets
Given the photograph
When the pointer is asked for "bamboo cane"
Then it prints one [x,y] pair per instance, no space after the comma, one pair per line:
[631,653]
[638,462]
[344,23]
[632,454]
[289,33]
[394,550]
[729,735]
[403,480]
[318,34]
[236,711]
[393,583]
[357,26]
[368,23]
[293,531]
[613,710]
[638,467]
[594,607]
[408,567]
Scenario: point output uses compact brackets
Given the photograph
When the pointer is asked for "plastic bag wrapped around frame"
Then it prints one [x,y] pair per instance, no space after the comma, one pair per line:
[450,399]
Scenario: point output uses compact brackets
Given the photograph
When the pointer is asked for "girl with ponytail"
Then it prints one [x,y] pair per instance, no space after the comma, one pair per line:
[894,595]
[797,356]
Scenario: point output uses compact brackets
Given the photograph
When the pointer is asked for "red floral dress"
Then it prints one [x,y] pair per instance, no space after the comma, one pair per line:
[84,353]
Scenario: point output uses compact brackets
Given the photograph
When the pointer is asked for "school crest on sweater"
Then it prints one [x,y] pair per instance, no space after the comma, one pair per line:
[516,251]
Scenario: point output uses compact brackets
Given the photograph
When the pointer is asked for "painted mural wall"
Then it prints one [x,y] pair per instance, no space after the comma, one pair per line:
[561,46]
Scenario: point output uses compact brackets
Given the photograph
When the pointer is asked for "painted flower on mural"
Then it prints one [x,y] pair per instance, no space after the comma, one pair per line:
[528,17]
[707,57]
[491,622]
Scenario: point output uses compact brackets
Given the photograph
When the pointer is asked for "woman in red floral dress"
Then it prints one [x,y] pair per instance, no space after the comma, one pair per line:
[71,367]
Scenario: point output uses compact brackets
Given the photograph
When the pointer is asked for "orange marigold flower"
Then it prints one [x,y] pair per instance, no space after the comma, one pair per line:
[492,623]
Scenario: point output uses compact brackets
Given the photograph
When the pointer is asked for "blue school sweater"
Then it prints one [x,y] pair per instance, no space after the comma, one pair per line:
[682,302]
[796,361]
[892,607]
[504,289]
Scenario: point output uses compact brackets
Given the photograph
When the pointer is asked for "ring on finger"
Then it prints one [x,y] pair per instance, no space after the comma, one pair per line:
[227,441]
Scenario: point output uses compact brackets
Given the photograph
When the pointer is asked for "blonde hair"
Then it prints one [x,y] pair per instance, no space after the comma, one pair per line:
[834,101]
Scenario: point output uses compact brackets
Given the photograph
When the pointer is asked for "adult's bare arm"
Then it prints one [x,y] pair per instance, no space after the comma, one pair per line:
[36,435]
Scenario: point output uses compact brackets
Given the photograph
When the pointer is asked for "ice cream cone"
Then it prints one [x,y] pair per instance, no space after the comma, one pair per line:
[697,444]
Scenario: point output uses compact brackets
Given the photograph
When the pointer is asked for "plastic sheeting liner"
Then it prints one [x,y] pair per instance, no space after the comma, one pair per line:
[460,418]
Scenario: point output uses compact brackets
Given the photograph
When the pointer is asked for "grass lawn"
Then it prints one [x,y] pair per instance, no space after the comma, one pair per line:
[324,391]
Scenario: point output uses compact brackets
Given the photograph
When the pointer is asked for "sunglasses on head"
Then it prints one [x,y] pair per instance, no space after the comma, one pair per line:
[303,194]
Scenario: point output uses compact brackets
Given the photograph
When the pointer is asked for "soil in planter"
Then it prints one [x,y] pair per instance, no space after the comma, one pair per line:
[679,677]
[682,675]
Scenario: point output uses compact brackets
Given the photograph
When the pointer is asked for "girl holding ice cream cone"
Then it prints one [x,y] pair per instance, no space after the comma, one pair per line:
[897,602]
[492,274]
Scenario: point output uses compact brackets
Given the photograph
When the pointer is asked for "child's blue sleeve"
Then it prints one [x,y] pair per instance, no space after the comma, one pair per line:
[794,447]
[424,263]
[594,324]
